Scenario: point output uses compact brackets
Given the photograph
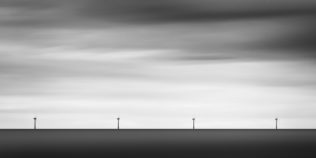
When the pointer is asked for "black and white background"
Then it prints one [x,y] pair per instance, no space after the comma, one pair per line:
[157,64]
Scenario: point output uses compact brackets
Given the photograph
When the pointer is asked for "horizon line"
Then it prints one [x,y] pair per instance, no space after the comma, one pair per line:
[157,129]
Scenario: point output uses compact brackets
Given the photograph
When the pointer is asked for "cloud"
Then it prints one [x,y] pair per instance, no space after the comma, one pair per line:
[165,11]
[81,13]
[28,4]
[197,30]
[148,58]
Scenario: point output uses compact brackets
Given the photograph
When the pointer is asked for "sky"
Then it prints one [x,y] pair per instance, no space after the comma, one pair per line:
[158,64]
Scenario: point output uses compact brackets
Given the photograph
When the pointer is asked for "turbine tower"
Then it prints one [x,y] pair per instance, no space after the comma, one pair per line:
[34,122]
[276,123]
[193,119]
[118,123]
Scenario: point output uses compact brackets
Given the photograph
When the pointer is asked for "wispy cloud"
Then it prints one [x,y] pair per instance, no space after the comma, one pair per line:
[214,59]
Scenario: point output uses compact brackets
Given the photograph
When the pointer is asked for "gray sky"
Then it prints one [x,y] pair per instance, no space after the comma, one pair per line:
[157,64]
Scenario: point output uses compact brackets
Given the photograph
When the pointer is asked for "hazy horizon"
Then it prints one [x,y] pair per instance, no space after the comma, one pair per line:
[157,64]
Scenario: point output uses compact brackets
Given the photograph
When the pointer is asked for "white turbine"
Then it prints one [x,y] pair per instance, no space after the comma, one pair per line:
[34,122]
[118,123]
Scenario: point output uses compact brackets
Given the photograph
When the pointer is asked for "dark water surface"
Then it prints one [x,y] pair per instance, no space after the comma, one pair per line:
[158,143]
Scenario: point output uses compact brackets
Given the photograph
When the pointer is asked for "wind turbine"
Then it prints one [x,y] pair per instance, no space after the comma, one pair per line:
[193,119]
[34,122]
[118,123]
[276,123]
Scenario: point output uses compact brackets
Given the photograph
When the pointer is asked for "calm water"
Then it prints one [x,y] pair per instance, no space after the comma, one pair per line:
[158,143]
